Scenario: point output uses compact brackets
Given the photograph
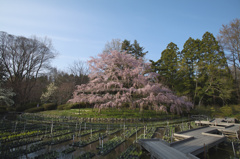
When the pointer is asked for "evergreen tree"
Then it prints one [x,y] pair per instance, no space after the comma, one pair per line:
[133,49]
[187,68]
[213,80]
[199,71]
[167,65]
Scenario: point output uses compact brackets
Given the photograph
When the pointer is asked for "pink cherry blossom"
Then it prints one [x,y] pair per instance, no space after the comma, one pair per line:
[117,78]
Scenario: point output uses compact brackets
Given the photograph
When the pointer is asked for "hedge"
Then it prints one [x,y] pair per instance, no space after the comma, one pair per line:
[49,106]
[3,110]
[34,110]
[26,106]
[72,106]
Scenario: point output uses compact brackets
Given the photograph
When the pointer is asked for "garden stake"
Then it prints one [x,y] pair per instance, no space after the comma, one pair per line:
[102,142]
[79,132]
[204,151]
[233,150]
[99,140]
[15,127]
[144,131]
[136,134]
[237,135]
[52,127]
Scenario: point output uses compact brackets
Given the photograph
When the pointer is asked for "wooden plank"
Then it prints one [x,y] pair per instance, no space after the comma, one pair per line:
[161,150]
[193,143]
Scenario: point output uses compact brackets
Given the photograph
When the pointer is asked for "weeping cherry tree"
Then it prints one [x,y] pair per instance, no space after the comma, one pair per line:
[118,79]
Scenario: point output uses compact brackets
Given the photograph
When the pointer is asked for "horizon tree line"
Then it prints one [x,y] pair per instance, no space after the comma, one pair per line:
[206,71]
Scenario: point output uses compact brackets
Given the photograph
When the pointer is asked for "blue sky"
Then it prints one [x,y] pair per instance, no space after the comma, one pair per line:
[81,28]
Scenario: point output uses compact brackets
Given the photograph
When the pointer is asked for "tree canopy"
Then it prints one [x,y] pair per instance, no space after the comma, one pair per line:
[133,49]
[119,79]
[229,39]
[199,71]
[23,59]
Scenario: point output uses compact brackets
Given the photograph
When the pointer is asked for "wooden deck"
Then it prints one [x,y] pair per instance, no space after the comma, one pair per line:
[154,145]
[195,142]
[228,129]
[202,138]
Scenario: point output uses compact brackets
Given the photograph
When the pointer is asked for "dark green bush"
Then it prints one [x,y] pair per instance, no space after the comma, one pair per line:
[72,106]
[78,105]
[26,106]
[34,110]
[49,106]
[11,109]
[61,107]
[3,109]
[125,105]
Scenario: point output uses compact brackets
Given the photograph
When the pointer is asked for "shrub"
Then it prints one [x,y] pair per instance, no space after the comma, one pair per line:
[237,116]
[125,105]
[49,106]
[26,106]
[61,107]
[34,110]
[72,106]
[78,105]
[11,109]
[3,109]
[226,110]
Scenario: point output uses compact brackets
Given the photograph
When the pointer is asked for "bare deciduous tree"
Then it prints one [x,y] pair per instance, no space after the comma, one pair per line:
[229,39]
[115,44]
[80,70]
[24,59]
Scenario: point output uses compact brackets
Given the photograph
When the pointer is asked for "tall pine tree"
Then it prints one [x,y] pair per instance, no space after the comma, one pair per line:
[187,68]
[213,78]
[199,71]
[134,49]
[167,65]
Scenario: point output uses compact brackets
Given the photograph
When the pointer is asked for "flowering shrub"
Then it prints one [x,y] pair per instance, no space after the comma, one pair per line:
[118,78]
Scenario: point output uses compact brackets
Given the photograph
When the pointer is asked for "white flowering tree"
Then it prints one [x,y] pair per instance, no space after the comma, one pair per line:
[6,96]
[118,79]
[48,95]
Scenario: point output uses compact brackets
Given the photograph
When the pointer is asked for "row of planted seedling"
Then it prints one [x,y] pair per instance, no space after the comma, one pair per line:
[131,153]
[76,129]
[56,138]
[42,118]
[108,146]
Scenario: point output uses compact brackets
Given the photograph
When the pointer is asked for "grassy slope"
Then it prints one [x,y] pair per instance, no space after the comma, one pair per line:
[108,113]
[226,111]
[216,111]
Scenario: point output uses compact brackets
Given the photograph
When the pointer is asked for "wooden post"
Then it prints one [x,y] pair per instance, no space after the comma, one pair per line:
[233,150]
[52,127]
[237,135]
[205,154]
[102,142]
[144,131]
[91,131]
[136,134]
[79,133]
[99,140]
